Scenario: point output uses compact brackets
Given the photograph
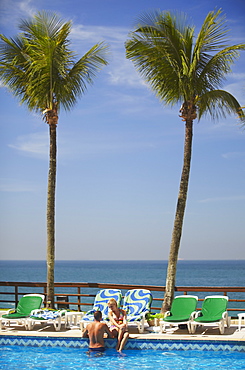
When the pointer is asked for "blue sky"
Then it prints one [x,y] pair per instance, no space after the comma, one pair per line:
[120,153]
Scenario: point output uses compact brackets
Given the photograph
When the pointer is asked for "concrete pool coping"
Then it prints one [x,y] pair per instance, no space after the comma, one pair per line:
[202,333]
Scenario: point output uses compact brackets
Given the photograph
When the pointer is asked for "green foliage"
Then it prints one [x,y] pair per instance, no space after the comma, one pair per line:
[41,70]
[180,68]
[152,316]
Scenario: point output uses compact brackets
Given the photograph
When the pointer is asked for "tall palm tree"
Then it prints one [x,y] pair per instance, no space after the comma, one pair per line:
[182,69]
[41,70]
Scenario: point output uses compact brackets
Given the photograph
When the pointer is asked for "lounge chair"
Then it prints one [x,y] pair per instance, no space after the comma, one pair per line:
[47,317]
[26,305]
[100,304]
[213,313]
[137,303]
[182,310]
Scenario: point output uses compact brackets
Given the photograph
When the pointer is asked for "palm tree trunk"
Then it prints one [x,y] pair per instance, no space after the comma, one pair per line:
[51,216]
[179,218]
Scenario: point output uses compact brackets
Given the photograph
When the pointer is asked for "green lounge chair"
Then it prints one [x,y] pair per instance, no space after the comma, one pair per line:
[213,313]
[182,310]
[26,305]
[137,303]
[100,304]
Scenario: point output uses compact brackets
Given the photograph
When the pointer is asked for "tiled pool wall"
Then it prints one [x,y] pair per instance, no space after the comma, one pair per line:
[153,344]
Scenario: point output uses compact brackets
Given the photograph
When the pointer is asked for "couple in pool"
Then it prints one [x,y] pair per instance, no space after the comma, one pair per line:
[117,328]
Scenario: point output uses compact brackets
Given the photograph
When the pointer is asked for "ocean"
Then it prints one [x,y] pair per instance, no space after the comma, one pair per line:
[189,273]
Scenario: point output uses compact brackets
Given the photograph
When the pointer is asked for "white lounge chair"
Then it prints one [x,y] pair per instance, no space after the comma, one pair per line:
[46,316]
[137,303]
[182,311]
[213,313]
[24,309]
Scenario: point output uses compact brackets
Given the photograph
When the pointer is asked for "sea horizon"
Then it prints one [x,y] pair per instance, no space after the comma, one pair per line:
[126,260]
[190,273]
[148,272]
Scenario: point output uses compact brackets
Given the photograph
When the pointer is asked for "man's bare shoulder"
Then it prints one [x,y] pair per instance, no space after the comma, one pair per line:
[102,325]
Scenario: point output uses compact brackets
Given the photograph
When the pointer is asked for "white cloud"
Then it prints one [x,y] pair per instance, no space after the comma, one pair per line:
[76,146]
[98,144]
[26,7]
[120,70]
[238,76]
[112,35]
[35,145]
[223,199]
[16,186]
[12,11]
[237,89]
[233,155]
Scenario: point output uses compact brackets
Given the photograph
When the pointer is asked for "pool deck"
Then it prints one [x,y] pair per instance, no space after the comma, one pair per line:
[202,333]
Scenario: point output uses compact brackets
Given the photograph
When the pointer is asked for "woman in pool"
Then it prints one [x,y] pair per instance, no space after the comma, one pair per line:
[118,324]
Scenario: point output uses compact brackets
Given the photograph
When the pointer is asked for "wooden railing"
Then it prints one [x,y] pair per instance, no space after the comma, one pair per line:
[79,296]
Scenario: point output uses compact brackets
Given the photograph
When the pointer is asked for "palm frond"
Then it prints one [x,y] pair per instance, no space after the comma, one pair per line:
[219,103]
[163,50]
[81,75]
[212,36]
[213,73]
[43,24]
[39,67]
[13,61]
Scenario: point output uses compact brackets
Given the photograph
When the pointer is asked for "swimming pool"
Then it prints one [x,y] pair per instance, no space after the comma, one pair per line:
[19,352]
[20,357]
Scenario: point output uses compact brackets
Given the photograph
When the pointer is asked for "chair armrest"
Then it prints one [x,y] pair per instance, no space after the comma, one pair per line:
[62,312]
[143,314]
[36,312]
[197,314]
[11,310]
[224,315]
[194,314]
[81,314]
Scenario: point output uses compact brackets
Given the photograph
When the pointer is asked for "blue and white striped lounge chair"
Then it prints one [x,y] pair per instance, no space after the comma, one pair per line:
[100,304]
[46,316]
[137,303]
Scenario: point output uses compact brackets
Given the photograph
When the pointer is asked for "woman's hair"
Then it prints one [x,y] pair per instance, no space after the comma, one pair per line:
[112,301]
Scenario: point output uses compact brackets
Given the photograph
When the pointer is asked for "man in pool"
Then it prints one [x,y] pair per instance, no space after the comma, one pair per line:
[95,332]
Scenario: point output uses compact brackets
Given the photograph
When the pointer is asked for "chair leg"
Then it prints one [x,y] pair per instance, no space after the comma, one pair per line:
[140,327]
[222,326]
[57,323]
[189,327]
[162,326]
[27,324]
[193,328]
[30,324]
[227,320]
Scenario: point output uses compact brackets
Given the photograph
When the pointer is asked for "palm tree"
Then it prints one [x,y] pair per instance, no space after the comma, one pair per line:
[40,69]
[181,69]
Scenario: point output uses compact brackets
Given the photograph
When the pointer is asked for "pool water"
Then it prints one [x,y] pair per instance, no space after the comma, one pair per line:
[23,357]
